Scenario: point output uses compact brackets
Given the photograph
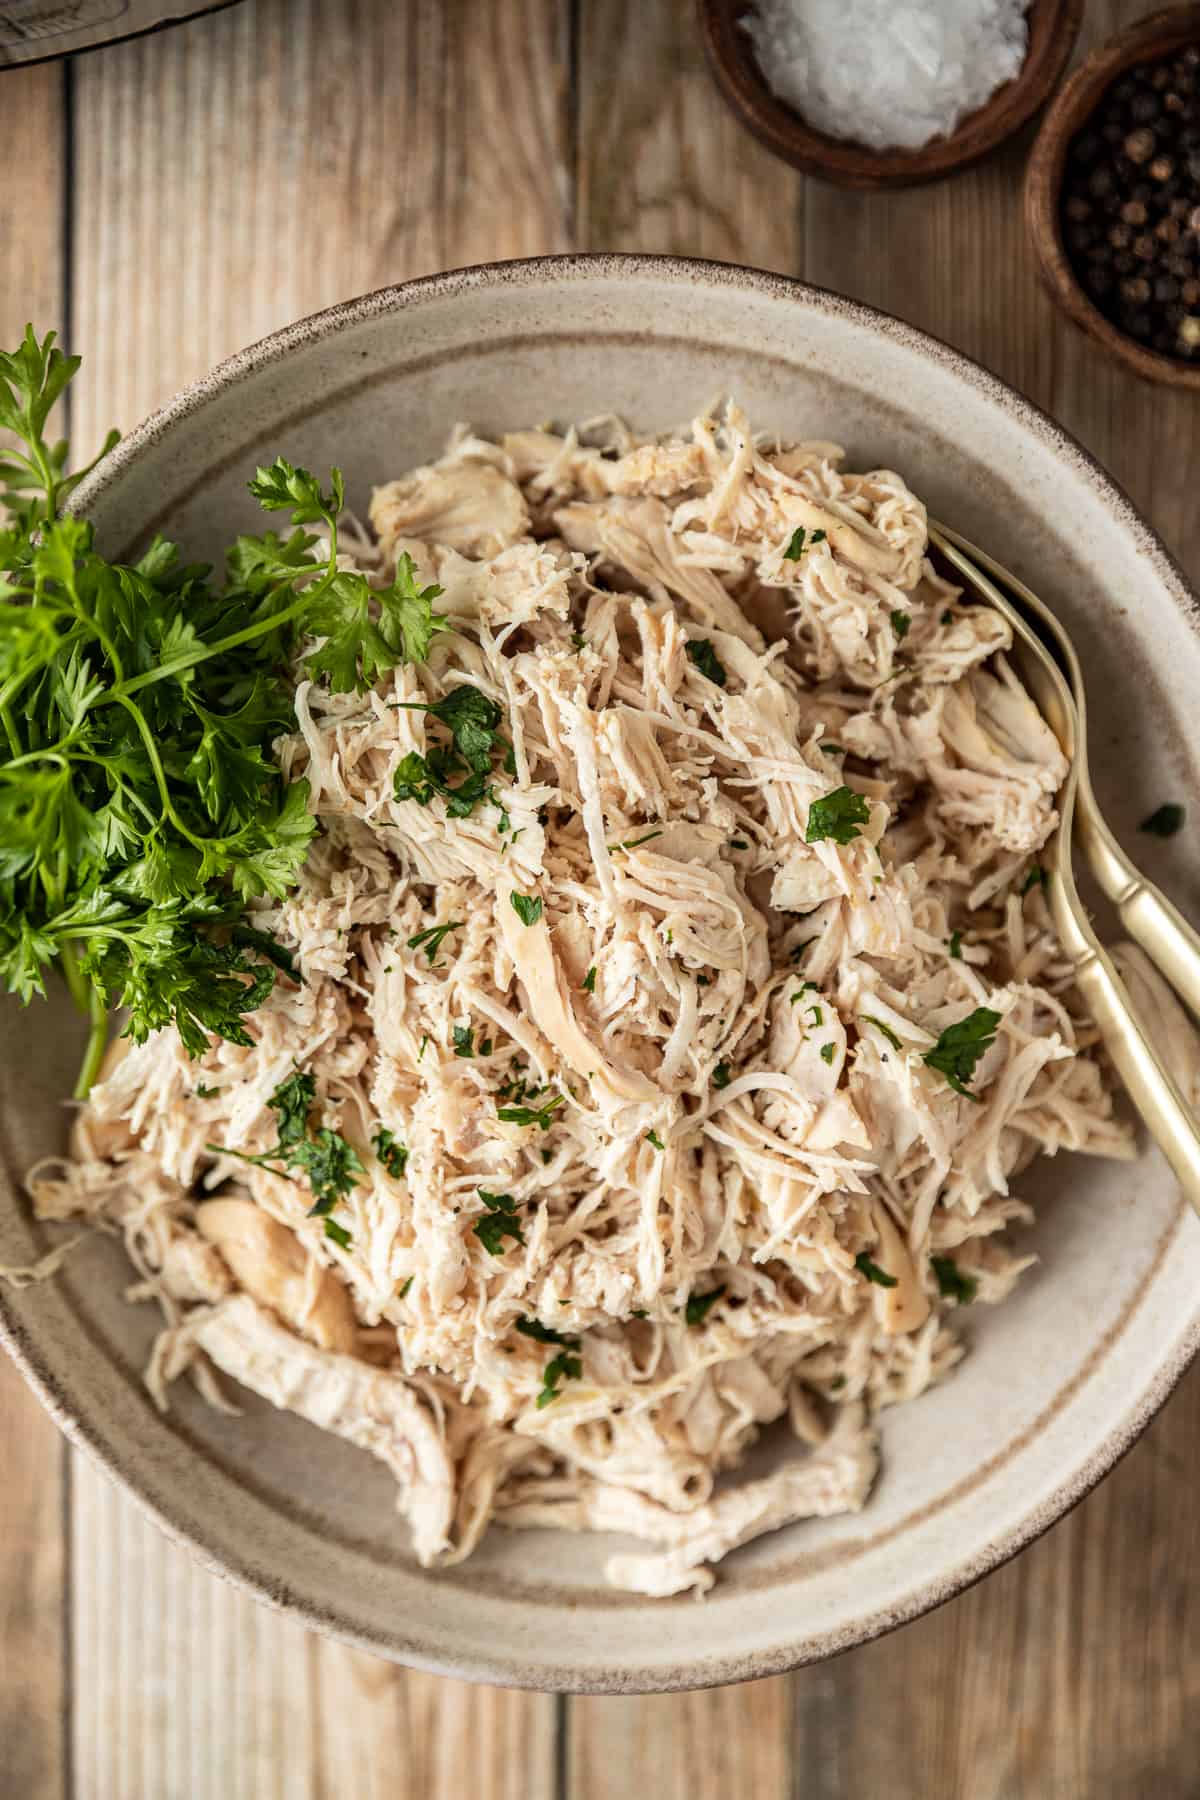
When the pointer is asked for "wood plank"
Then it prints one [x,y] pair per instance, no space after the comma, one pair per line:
[704,1746]
[32,1692]
[662,163]
[260,164]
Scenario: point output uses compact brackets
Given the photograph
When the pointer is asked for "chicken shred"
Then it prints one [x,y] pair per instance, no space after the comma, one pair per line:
[689,1069]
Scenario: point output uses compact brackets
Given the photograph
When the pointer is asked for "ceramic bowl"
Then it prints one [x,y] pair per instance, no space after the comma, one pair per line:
[1058,1382]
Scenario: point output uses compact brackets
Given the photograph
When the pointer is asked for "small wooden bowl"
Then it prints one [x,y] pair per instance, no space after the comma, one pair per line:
[1053,28]
[1150,39]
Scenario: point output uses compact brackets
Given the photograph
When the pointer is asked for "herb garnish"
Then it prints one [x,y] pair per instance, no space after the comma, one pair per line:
[1036,877]
[827,1053]
[531,1115]
[652,1137]
[703,657]
[947,617]
[900,624]
[632,843]
[873,1272]
[955,945]
[331,1164]
[699,1305]
[464,1040]
[430,940]
[838,816]
[140,804]
[527,907]
[337,1233]
[889,1034]
[545,1334]
[563,1367]
[1165,821]
[722,1075]
[402,1291]
[589,981]
[953,1284]
[390,1151]
[498,1223]
[960,1046]
[797,546]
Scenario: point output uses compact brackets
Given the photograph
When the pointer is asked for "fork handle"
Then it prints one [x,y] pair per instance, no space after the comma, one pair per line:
[1168,1118]
[1145,912]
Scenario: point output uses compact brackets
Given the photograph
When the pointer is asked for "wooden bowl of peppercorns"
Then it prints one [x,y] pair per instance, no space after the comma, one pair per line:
[1112,197]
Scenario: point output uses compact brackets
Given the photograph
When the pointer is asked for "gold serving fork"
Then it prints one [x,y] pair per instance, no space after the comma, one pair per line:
[1146,913]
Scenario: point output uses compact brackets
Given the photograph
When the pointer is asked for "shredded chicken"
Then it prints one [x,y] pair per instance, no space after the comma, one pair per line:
[687,1074]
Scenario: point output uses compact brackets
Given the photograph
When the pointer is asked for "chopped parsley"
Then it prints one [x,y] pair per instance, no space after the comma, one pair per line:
[799,949]
[700,1305]
[832,749]
[577,640]
[464,1040]
[955,945]
[889,1034]
[424,1041]
[1165,821]
[528,907]
[472,720]
[402,1291]
[816,1015]
[545,1334]
[499,1222]
[390,1151]
[652,1137]
[337,1233]
[531,1115]
[563,1367]
[202,1091]
[430,940]
[873,1272]
[838,816]
[722,1075]
[738,844]
[827,1053]
[947,617]
[900,624]
[331,1164]
[953,1284]
[797,545]
[632,843]
[960,1047]
[1036,877]
[703,657]
[589,980]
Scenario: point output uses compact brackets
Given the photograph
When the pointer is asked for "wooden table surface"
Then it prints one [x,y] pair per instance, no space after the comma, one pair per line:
[168,201]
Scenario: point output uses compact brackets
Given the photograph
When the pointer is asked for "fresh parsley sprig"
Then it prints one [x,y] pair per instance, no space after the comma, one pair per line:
[331,1164]
[140,805]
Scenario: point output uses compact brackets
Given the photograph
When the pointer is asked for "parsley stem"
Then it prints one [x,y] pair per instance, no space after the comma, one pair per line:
[97,1042]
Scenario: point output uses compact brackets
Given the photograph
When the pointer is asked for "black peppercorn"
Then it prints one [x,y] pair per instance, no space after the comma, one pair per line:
[1130,204]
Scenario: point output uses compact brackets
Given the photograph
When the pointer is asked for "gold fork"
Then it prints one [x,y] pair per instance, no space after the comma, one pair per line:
[1149,916]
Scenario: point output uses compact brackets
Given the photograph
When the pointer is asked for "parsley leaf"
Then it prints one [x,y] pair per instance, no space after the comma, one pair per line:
[1036,877]
[390,1151]
[960,1046]
[331,1164]
[545,1334]
[1165,821]
[699,1305]
[292,1101]
[464,1040]
[589,981]
[873,1272]
[563,1367]
[901,621]
[337,1233]
[889,1034]
[953,1283]
[499,1222]
[827,1053]
[838,816]
[531,1115]
[955,945]
[527,907]
[652,1137]
[722,1075]
[797,545]
[703,657]
[430,940]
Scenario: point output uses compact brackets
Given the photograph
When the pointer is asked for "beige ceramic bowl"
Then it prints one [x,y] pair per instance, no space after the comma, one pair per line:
[1059,1381]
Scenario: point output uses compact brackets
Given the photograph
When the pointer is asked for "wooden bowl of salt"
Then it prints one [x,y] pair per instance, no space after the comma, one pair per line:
[740,35]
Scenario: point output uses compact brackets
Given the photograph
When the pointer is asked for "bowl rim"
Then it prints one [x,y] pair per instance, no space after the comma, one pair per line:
[845,162]
[90,1436]
[1155,34]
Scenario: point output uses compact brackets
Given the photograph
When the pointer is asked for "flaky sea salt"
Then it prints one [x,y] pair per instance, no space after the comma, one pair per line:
[891,74]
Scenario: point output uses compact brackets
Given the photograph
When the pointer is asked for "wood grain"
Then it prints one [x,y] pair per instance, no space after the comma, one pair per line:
[32,1489]
[231,175]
